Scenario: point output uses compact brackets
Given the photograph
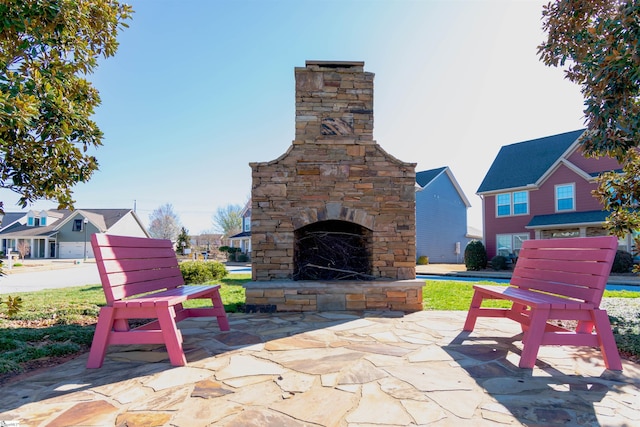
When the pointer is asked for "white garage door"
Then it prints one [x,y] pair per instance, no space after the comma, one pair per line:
[69,250]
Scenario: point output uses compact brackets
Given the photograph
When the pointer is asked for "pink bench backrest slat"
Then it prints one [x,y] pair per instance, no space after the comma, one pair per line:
[131,266]
[574,267]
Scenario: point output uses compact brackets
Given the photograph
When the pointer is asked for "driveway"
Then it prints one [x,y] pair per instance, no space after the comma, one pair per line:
[49,278]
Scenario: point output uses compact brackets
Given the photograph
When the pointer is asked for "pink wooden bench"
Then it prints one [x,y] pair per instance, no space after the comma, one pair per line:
[556,279]
[141,280]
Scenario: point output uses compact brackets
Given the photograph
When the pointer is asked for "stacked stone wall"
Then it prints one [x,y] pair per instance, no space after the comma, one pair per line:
[327,183]
[275,296]
[334,170]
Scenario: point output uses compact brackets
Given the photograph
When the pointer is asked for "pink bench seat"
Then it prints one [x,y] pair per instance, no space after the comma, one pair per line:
[556,279]
[141,279]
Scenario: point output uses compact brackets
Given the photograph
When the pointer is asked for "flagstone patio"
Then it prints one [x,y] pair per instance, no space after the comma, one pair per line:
[332,369]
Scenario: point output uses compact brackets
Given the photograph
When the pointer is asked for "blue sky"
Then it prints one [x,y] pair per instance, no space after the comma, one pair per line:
[200,88]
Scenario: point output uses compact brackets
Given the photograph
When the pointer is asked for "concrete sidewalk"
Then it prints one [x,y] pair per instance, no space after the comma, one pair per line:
[332,369]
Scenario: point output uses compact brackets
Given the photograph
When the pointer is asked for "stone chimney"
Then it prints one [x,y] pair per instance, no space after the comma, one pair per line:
[334,102]
[334,180]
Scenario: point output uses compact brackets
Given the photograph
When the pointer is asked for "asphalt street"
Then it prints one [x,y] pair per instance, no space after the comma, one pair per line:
[73,275]
[62,276]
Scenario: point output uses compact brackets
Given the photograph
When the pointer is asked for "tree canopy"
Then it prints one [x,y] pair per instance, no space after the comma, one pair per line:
[228,219]
[164,223]
[47,47]
[183,241]
[597,42]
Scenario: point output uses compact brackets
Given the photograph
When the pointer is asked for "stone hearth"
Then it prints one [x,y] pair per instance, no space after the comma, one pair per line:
[283,295]
[335,208]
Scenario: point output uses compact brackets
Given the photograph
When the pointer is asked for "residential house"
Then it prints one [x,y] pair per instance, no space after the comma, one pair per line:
[242,240]
[63,233]
[441,217]
[542,189]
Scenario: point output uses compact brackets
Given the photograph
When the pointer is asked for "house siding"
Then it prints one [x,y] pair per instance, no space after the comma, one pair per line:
[592,164]
[127,226]
[504,225]
[544,202]
[541,202]
[66,233]
[542,199]
[441,221]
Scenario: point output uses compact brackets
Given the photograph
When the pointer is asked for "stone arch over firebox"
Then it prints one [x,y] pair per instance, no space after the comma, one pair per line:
[333,211]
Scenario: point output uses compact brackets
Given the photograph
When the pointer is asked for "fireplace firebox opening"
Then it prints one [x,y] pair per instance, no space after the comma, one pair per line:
[333,250]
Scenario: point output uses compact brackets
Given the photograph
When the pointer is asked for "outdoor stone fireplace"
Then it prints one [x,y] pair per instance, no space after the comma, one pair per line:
[333,218]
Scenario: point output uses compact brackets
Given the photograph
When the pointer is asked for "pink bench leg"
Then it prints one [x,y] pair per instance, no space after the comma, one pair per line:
[532,338]
[606,340]
[472,314]
[223,321]
[520,313]
[584,327]
[101,338]
[172,336]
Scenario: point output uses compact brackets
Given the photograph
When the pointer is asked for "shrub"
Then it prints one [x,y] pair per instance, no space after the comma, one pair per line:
[218,270]
[622,263]
[499,262]
[475,256]
[423,260]
[231,252]
[195,272]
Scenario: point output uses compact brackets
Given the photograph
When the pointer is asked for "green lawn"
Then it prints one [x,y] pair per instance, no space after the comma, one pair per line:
[60,322]
[456,295]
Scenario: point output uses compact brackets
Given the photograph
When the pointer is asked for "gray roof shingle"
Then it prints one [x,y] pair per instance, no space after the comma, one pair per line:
[425,177]
[523,163]
[569,218]
[101,218]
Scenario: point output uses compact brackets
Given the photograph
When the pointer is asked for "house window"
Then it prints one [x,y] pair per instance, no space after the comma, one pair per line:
[503,204]
[520,203]
[516,203]
[247,224]
[77,225]
[565,197]
[509,245]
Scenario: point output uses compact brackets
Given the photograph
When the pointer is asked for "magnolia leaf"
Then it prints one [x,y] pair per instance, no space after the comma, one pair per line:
[46,49]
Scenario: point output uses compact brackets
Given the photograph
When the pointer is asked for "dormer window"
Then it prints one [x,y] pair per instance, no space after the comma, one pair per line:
[36,220]
[31,219]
